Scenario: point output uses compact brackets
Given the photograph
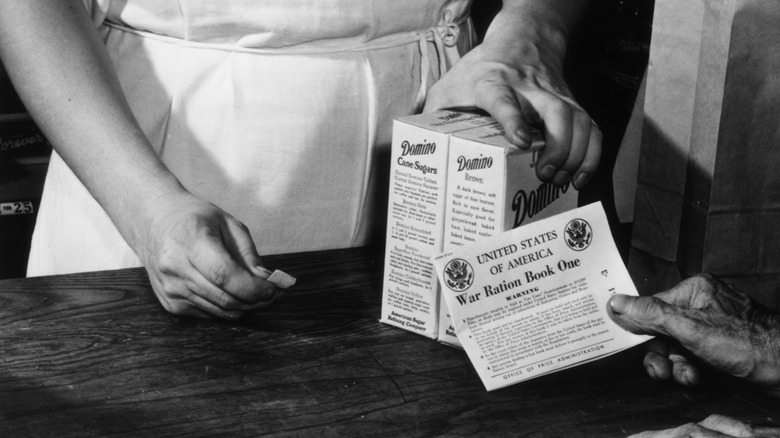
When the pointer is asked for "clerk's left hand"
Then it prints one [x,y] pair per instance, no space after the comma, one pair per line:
[520,96]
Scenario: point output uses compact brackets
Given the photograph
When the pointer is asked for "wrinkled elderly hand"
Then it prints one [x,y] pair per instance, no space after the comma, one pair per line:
[715,426]
[720,326]
[516,75]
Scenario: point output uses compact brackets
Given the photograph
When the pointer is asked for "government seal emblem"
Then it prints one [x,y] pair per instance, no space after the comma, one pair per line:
[578,234]
[458,275]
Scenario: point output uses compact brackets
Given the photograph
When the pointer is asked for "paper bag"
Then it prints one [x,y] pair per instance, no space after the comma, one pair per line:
[708,186]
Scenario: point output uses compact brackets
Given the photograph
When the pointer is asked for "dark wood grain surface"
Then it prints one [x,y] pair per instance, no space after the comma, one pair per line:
[95,355]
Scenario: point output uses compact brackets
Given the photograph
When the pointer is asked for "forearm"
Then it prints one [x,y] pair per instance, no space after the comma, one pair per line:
[66,80]
[534,30]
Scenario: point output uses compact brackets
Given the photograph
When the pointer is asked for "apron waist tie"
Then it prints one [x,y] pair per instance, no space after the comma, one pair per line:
[445,41]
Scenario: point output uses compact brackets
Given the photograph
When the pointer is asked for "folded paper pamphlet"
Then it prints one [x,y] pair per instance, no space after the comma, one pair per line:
[533,300]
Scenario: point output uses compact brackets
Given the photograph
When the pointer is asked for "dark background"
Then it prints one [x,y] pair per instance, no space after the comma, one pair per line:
[606,59]
[22,170]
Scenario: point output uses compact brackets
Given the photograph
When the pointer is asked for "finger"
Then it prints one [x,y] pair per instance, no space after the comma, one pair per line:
[206,306]
[502,103]
[201,286]
[263,304]
[169,294]
[680,431]
[688,430]
[727,426]
[704,432]
[209,256]
[684,372]
[656,362]
[580,138]
[177,291]
[590,163]
[641,315]
[242,246]
[557,118]
[222,305]
[182,307]
[177,280]
[650,315]
[665,361]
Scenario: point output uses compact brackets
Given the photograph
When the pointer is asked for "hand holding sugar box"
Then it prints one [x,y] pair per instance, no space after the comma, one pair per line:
[454,180]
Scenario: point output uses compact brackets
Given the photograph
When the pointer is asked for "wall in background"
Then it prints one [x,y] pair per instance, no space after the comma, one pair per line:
[24,156]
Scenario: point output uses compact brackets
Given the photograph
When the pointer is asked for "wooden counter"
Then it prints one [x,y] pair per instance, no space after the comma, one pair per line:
[95,354]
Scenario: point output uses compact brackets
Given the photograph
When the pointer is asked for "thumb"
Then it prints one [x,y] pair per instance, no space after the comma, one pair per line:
[244,249]
[641,315]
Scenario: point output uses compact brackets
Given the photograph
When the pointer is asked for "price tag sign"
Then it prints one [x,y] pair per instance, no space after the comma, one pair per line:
[12,208]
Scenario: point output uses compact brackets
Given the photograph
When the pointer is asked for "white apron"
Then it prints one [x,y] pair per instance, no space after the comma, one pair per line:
[277,111]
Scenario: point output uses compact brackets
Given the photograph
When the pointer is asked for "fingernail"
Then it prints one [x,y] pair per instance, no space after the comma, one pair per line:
[580,180]
[523,138]
[561,178]
[617,304]
[268,293]
[650,370]
[262,272]
[691,377]
[548,172]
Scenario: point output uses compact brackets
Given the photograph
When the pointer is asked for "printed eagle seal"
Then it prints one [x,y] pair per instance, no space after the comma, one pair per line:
[578,234]
[458,275]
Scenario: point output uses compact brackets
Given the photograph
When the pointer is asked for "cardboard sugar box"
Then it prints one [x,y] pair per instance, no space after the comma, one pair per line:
[415,218]
[443,195]
[492,187]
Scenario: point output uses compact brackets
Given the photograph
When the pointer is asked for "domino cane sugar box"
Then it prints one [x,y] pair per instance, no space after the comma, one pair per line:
[415,218]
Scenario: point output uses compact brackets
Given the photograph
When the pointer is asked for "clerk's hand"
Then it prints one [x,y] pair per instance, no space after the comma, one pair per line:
[519,96]
[720,326]
[201,261]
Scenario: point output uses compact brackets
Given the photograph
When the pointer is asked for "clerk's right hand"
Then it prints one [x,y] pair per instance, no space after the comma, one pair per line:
[201,261]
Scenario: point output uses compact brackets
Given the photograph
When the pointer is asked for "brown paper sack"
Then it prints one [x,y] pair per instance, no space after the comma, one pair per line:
[708,185]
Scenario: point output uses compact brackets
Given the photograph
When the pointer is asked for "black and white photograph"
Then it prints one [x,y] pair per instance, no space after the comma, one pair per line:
[390,218]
